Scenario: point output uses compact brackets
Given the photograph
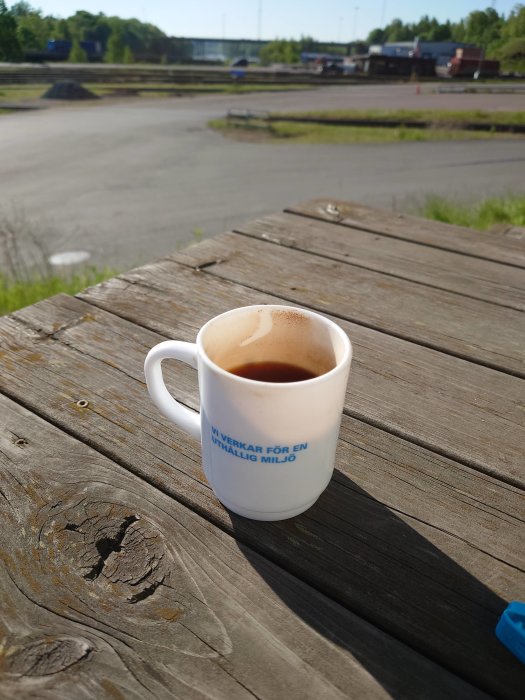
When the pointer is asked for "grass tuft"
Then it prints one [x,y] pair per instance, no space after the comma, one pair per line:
[25,273]
[509,210]
[15,294]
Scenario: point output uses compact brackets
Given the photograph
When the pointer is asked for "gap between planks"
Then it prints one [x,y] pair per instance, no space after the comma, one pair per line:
[428,232]
[177,600]
[72,329]
[469,329]
[488,281]
[250,544]
[161,282]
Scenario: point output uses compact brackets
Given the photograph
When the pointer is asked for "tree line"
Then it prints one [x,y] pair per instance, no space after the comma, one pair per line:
[499,36]
[24,29]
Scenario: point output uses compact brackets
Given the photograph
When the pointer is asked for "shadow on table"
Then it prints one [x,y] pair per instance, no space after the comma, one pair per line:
[373,562]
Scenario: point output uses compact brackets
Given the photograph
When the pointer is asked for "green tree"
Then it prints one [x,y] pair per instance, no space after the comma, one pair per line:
[442,32]
[128,55]
[61,30]
[89,27]
[143,37]
[38,27]
[376,36]
[512,55]
[483,28]
[397,31]
[511,48]
[28,39]
[280,51]
[307,43]
[429,29]
[115,48]
[514,27]
[10,49]
[77,53]
[20,9]
[34,30]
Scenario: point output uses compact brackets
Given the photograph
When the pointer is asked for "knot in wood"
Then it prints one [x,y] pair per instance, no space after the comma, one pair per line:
[108,544]
[103,558]
[44,657]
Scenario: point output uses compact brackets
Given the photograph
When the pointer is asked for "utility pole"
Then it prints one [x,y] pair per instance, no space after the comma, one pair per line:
[259,18]
[356,10]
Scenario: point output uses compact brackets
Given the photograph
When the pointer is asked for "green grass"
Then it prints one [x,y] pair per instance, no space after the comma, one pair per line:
[14,294]
[20,93]
[435,116]
[482,215]
[326,134]
[318,133]
[109,88]
[447,126]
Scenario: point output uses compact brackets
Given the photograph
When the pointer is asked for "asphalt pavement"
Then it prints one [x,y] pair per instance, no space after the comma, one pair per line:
[129,181]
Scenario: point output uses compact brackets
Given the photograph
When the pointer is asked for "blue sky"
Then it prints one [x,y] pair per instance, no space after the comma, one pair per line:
[323,19]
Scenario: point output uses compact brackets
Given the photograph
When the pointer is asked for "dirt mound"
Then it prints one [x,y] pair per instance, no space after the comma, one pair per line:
[68,90]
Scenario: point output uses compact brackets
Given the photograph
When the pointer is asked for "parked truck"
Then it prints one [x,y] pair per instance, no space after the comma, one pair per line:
[470,63]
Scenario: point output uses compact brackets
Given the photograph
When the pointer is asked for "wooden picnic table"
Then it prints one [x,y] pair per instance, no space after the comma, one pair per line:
[122,576]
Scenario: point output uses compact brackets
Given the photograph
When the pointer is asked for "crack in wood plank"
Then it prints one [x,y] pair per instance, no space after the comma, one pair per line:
[250,595]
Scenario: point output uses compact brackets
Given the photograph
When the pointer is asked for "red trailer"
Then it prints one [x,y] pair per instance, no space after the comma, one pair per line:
[469,61]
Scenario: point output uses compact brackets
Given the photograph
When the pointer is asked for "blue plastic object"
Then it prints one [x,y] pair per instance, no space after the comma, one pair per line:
[510,629]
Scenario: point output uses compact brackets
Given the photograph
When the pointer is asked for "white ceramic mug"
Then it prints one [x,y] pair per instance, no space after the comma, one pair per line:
[268,447]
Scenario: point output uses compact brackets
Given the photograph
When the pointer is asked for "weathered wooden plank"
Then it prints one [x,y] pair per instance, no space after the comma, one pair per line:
[473,277]
[46,655]
[467,328]
[96,334]
[132,595]
[464,411]
[411,228]
[411,541]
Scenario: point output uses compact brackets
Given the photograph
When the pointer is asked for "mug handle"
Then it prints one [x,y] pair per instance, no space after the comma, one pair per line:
[188,420]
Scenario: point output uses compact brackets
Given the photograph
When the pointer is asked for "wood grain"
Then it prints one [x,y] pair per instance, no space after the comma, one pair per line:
[383,540]
[113,590]
[466,328]
[473,277]
[461,410]
[435,234]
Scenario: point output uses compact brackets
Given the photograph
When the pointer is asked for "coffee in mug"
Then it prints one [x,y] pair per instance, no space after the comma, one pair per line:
[272,382]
